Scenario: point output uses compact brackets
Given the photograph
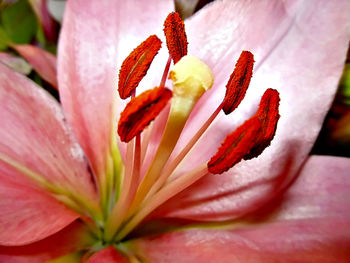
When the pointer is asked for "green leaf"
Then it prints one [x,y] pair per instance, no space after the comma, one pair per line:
[6,3]
[345,85]
[40,35]
[4,39]
[19,22]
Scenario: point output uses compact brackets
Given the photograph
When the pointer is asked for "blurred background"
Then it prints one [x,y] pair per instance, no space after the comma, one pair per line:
[37,23]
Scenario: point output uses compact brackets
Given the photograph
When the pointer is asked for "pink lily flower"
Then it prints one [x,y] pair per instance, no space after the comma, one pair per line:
[61,170]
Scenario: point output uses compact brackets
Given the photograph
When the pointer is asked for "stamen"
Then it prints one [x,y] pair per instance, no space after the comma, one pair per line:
[235,147]
[169,190]
[268,115]
[238,82]
[251,138]
[135,66]
[165,73]
[140,111]
[137,157]
[176,39]
[145,142]
[148,132]
[115,218]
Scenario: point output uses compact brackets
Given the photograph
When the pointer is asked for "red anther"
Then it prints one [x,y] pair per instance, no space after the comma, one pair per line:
[176,39]
[235,147]
[238,82]
[135,66]
[268,114]
[140,111]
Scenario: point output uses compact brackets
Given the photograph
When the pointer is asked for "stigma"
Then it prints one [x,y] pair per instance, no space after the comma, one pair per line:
[191,77]
[148,184]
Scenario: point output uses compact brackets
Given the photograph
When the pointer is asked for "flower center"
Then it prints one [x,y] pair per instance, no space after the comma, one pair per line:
[142,192]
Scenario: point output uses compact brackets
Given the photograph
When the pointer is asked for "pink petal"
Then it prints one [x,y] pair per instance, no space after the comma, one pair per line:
[310,223]
[96,37]
[108,255]
[319,191]
[42,61]
[299,48]
[35,137]
[15,62]
[72,238]
[28,214]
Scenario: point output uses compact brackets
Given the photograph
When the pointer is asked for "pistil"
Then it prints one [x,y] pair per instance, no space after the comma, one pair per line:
[170,168]
[191,78]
